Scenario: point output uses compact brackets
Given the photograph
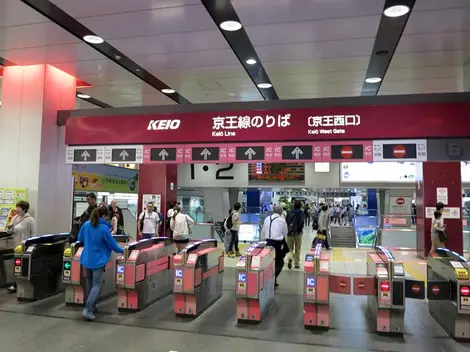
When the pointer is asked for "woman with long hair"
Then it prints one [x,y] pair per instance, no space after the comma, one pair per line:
[95,235]
[181,225]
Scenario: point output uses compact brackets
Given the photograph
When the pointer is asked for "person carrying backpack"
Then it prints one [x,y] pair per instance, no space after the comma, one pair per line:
[228,224]
[295,227]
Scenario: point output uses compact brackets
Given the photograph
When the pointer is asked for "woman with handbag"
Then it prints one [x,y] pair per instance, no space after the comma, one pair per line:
[438,232]
[21,227]
[181,225]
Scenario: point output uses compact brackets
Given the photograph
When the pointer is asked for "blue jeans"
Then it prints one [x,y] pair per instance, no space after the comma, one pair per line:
[93,278]
[147,235]
[233,241]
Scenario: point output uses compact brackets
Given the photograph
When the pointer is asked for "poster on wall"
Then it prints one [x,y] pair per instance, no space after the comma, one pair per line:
[8,199]
[400,205]
[397,172]
[104,178]
[156,199]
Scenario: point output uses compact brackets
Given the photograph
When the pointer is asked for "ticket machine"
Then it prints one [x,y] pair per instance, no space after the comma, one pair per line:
[144,273]
[449,292]
[74,275]
[38,266]
[254,286]
[199,272]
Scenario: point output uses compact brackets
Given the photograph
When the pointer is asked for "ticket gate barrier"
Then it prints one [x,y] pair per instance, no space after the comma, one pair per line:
[38,266]
[144,273]
[448,289]
[74,275]
[199,272]
[7,275]
[385,285]
[254,286]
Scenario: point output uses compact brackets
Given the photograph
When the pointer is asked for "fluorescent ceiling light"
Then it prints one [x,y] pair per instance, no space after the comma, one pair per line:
[83,96]
[231,26]
[396,11]
[168,91]
[251,61]
[373,80]
[93,39]
[265,85]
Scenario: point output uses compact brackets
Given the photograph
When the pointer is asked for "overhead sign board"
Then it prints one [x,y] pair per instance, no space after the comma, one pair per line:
[400,150]
[164,154]
[347,151]
[123,154]
[275,125]
[298,152]
[209,153]
[85,155]
[252,152]
[448,149]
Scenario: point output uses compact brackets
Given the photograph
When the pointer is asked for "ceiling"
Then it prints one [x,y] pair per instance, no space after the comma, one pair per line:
[305,48]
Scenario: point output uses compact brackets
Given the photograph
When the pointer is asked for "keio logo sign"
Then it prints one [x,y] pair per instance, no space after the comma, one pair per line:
[160,125]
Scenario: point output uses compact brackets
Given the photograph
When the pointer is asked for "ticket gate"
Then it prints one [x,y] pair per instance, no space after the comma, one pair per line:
[38,266]
[7,275]
[199,270]
[254,286]
[449,292]
[74,275]
[144,273]
[385,285]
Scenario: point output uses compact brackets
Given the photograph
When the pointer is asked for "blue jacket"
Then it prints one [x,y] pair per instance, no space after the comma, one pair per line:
[97,245]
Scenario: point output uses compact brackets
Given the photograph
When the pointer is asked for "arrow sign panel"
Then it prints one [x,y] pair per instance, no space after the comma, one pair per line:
[164,154]
[249,153]
[406,150]
[297,152]
[257,152]
[360,151]
[123,154]
[205,153]
[85,155]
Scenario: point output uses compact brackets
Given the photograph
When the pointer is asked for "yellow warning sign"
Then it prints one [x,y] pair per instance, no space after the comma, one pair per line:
[309,289]
[461,273]
[179,281]
[241,285]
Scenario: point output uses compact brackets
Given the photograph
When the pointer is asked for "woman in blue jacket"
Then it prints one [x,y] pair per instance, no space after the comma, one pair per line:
[97,246]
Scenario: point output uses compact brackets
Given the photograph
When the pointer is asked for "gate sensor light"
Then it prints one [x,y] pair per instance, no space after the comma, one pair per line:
[385,286]
[465,290]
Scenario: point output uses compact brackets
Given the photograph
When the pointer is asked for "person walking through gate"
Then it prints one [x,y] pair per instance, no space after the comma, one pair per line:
[438,232]
[97,246]
[235,217]
[324,225]
[295,225]
[274,232]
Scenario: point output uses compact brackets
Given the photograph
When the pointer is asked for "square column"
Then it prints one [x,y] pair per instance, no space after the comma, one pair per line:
[158,179]
[32,148]
[429,177]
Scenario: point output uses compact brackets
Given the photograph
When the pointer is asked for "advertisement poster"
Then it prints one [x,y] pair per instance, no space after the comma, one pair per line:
[105,178]
[400,205]
[156,199]
[8,199]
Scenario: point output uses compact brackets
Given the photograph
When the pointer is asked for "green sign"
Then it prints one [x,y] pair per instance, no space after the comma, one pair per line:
[67,265]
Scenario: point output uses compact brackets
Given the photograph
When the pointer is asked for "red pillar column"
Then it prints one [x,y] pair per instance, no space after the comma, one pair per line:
[430,176]
[158,179]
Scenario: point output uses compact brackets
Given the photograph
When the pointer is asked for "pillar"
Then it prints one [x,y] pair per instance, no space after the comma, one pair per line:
[216,204]
[158,179]
[253,200]
[429,177]
[233,196]
[372,205]
[32,148]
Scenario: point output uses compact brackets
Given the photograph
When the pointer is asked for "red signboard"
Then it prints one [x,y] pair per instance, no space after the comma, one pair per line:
[297,152]
[164,154]
[250,153]
[347,151]
[313,124]
[205,153]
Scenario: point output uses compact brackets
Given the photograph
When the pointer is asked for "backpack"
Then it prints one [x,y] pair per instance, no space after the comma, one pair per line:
[229,222]
[142,218]
[295,224]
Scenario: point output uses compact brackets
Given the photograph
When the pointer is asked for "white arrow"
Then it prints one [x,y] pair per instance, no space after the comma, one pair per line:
[85,155]
[163,154]
[124,154]
[250,152]
[297,152]
[205,153]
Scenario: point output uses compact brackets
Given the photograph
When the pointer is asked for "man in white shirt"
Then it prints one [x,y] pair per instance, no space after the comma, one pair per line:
[149,222]
[274,232]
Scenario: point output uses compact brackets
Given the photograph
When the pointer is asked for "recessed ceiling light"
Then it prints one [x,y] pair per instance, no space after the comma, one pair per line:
[396,11]
[251,61]
[168,91]
[265,85]
[373,80]
[93,39]
[231,26]
[83,96]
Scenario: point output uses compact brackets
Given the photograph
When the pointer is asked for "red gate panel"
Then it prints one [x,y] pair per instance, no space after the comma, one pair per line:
[365,286]
[340,284]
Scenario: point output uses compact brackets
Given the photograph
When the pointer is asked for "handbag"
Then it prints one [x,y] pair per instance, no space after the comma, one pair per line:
[187,224]
[442,235]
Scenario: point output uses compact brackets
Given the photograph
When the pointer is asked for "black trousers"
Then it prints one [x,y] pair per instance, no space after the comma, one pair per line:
[281,250]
